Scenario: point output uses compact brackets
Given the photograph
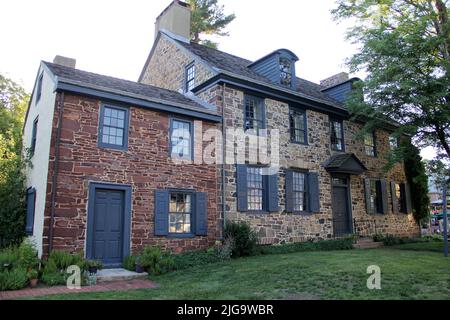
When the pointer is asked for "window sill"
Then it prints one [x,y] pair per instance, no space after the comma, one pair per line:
[113,147]
[181,235]
[256,212]
[300,143]
[302,213]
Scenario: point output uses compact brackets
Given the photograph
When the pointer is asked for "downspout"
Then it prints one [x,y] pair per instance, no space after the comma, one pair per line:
[55,172]
[223,161]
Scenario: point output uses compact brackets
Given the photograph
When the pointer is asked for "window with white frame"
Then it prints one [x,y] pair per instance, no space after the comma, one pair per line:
[181,139]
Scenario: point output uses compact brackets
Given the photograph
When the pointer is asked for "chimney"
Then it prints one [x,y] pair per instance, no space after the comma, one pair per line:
[334,80]
[176,19]
[64,61]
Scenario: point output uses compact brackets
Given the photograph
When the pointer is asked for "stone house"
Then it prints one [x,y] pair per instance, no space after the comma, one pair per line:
[118,165]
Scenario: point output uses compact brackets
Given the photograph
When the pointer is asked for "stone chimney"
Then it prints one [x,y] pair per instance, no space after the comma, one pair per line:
[176,19]
[64,61]
[334,80]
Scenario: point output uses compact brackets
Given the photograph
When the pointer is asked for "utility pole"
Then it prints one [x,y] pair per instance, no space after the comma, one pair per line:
[444,212]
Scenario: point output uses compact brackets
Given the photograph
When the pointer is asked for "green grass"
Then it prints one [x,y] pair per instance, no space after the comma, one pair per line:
[307,275]
[433,246]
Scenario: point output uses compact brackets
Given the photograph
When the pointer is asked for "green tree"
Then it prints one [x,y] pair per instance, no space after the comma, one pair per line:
[404,48]
[208,18]
[13,103]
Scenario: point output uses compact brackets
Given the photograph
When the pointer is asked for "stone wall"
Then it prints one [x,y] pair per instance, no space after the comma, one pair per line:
[146,166]
[167,66]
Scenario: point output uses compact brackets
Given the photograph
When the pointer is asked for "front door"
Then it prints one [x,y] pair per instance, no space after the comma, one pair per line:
[342,220]
[108,236]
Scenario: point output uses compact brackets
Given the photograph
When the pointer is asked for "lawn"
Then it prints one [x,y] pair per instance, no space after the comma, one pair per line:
[405,274]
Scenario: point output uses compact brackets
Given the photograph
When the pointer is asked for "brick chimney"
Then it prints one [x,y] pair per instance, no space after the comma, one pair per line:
[334,80]
[176,19]
[64,61]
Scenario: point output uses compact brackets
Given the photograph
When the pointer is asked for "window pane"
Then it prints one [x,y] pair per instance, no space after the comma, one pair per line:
[181,140]
[180,213]
[113,129]
[255,188]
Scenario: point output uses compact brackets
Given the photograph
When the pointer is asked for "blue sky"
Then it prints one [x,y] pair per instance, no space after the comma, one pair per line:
[114,37]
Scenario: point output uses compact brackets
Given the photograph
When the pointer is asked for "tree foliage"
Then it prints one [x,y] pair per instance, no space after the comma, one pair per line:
[404,48]
[208,18]
[13,103]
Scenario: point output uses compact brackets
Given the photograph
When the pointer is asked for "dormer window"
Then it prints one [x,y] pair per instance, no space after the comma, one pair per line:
[285,72]
[190,77]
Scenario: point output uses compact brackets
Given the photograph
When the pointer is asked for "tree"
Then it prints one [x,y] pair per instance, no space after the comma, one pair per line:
[13,103]
[404,48]
[208,18]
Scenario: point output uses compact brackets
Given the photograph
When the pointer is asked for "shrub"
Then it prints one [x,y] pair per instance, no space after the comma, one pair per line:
[28,255]
[54,278]
[14,279]
[9,258]
[244,239]
[62,260]
[323,245]
[156,261]
[129,263]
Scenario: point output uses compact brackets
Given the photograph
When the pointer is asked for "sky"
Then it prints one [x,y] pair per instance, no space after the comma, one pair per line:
[114,37]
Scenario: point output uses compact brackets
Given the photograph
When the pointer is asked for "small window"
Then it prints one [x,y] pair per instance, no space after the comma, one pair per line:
[34,136]
[393,142]
[285,72]
[180,211]
[297,119]
[255,189]
[400,192]
[114,127]
[369,144]
[375,196]
[190,77]
[181,139]
[337,135]
[39,88]
[254,113]
[299,190]
[31,202]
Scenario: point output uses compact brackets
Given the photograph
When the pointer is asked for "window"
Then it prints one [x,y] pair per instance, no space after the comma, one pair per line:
[39,88]
[190,77]
[369,144]
[400,193]
[299,190]
[255,189]
[181,139]
[180,210]
[297,120]
[375,196]
[34,136]
[113,127]
[393,142]
[285,72]
[31,199]
[337,135]
[254,118]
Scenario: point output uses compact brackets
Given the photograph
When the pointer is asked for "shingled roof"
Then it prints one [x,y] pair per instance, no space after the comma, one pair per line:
[127,88]
[239,66]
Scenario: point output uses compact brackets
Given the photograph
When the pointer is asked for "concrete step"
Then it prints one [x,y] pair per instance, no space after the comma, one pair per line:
[109,275]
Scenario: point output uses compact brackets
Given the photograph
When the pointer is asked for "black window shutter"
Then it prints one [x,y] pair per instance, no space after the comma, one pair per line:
[289,191]
[367,191]
[384,196]
[31,198]
[201,217]
[408,204]
[394,198]
[272,193]
[241,187]
[161,212]
[313,191]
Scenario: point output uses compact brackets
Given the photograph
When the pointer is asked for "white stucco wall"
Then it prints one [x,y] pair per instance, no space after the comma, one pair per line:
[37,174]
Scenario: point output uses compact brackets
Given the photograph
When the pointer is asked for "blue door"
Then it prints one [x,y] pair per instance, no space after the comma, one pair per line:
[108,236]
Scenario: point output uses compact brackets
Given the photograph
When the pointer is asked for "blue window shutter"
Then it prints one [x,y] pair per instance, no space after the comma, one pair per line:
[241,186]
[272,193]
[313,190]
[31,198]
[289,191]
[368,196]
[408,204]
[394,198]
[161,212]
[201,217]
[384,196]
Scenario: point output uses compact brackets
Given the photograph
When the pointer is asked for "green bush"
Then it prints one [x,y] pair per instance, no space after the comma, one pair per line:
[390,240]
[129,263]
[14,279]
[54,278]
[244,239]
[9,258]
[62,260]
[155,261]
[28,255]
[323,245]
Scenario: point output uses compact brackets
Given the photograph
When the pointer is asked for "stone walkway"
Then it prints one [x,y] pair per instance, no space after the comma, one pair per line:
[101,287]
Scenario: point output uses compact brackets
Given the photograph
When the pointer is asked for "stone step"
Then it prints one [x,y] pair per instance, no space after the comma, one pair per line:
[109,275]
[368,245]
